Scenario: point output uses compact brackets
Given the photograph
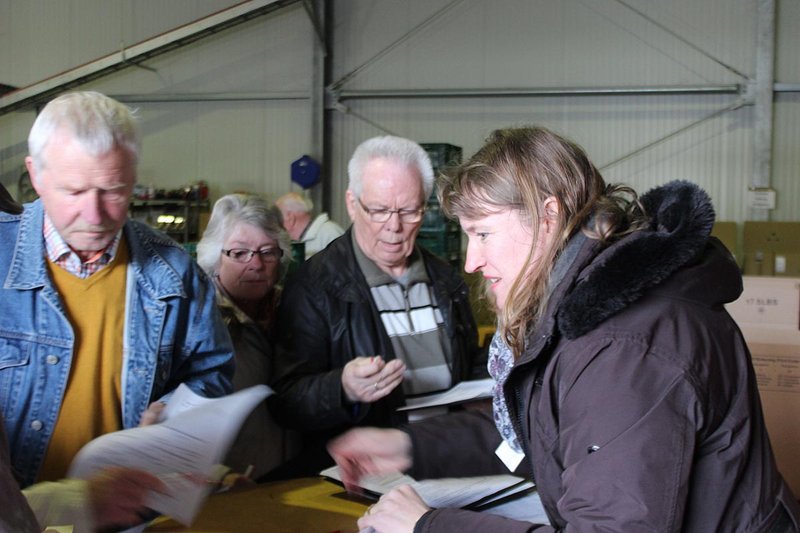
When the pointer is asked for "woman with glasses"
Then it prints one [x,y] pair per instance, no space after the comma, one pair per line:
[246,251]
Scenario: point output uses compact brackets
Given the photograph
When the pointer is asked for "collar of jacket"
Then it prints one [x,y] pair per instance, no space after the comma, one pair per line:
[338,270]
[681,219]
[599,282]
[154,274]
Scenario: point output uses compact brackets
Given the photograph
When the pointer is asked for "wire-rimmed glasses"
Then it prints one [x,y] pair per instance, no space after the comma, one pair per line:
[380,215]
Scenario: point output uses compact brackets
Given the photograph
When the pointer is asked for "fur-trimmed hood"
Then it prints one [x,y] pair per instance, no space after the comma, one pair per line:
[607,282]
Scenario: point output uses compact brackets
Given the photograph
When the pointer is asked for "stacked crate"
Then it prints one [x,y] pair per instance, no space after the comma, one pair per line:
[439,234]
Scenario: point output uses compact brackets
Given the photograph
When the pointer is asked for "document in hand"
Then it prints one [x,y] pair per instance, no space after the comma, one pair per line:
[186,446]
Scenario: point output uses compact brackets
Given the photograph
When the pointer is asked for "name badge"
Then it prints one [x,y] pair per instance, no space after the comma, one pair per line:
[510,458]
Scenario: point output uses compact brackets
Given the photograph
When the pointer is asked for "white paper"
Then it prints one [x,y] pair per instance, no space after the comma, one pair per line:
[463,392]
[186,446]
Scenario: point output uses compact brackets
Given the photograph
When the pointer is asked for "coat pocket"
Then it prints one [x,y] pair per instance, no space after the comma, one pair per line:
[13,353]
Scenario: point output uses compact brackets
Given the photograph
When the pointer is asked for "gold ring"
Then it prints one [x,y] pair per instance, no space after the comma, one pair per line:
[369,509]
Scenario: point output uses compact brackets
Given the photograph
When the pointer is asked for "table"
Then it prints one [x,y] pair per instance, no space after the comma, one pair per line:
[311,505]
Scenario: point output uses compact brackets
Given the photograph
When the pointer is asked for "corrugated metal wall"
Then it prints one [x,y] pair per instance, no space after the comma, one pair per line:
[396,44]
[580,43]
[252,114]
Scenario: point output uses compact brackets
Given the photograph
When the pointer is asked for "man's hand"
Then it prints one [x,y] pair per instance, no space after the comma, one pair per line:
[368,379]
[153,414]
[117,496]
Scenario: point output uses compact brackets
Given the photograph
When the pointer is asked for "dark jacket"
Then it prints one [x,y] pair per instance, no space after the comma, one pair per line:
[327,318]
[635,397]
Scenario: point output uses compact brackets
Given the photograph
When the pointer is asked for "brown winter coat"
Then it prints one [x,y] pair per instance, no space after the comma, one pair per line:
[635,397]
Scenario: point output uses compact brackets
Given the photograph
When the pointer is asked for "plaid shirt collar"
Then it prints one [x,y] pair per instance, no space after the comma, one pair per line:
[59,252]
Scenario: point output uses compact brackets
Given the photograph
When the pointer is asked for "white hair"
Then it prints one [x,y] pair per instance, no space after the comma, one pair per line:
[98,123]
[232,210]
[393,148]
[295,203]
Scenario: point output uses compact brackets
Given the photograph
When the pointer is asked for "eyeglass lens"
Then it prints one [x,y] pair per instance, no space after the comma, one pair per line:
[243,255]
[382,215]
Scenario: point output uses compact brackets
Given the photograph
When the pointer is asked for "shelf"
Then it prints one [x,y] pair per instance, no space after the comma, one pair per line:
[186,230]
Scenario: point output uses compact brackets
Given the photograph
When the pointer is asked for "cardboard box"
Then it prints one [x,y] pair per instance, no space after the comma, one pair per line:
[768,313]
[759,263]
[767,304]
[728,234]
[778,372]
[786,264]
[771,248]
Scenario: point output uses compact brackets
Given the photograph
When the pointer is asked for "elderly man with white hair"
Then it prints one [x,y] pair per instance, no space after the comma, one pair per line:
[373,319]
[102,317]
[315,234]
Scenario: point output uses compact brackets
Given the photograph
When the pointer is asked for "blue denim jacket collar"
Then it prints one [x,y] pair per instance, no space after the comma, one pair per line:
[154,275]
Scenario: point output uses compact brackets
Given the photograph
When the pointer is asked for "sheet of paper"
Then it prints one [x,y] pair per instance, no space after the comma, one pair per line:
[449,492]
[463,392]
[184,448]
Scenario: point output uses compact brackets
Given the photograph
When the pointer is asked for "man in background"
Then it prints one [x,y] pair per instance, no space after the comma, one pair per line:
[373,318]
[101,317]
[315,235]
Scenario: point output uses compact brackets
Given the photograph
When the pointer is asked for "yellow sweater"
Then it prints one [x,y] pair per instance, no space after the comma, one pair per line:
[91,406]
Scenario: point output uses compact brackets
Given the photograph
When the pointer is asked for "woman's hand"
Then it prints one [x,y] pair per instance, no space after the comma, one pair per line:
[370,451]
[117,496]
[396,512]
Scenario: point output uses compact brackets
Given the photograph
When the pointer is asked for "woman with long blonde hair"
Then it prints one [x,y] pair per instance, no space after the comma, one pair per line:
[623,388]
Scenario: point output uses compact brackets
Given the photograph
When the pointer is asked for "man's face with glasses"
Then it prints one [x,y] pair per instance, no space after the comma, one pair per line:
[387,216]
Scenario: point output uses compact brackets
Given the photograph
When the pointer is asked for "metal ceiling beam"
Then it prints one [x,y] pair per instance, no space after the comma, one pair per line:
[533,91]
[210,97]
[763,97]
[39,92]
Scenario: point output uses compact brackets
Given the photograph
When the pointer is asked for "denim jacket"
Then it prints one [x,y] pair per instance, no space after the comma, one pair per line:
[173,333]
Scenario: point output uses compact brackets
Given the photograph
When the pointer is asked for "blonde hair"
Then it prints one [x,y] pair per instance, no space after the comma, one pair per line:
[520,168]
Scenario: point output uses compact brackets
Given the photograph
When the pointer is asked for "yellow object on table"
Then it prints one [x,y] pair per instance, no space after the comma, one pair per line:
[311,505]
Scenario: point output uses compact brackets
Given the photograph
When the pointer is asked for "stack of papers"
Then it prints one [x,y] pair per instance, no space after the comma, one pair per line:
[475,493]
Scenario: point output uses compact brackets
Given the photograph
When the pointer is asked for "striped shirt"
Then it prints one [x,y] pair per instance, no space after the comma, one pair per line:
[411,317]
[59,252]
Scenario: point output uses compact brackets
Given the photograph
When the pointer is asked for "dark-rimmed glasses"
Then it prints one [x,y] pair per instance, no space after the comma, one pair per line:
[244,255]
[380,215]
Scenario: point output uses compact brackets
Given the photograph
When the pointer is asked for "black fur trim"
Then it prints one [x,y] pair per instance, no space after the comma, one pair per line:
[682,217]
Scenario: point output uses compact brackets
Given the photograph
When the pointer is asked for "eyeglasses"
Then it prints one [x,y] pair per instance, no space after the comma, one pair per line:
[408,216]
[243,255]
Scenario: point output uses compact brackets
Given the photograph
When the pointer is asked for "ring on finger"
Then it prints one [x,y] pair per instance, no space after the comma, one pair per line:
[377,385]
[369,509]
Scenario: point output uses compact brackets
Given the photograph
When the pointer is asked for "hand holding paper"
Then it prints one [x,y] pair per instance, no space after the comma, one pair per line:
[370,451]
[186,447]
